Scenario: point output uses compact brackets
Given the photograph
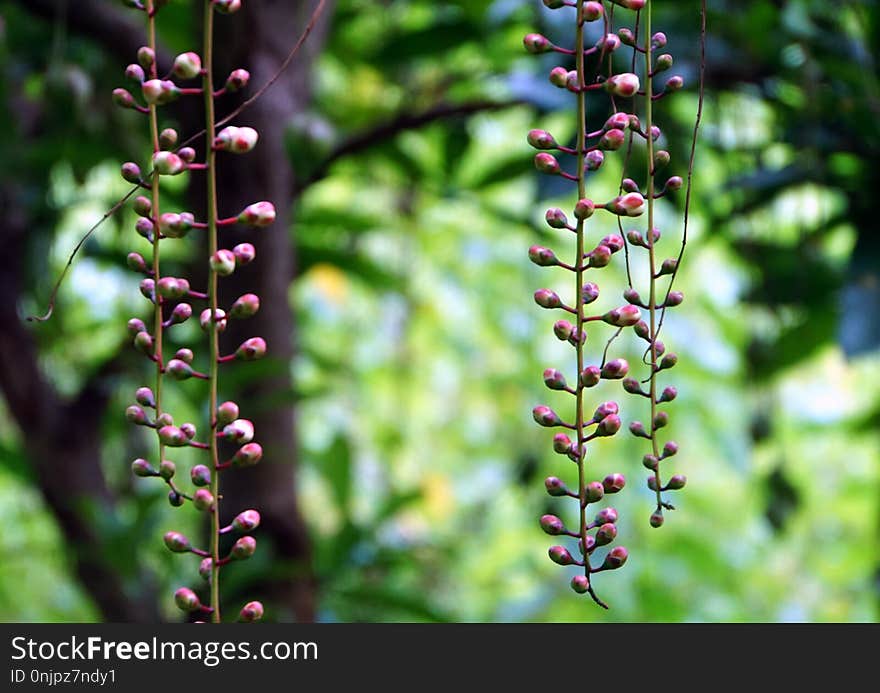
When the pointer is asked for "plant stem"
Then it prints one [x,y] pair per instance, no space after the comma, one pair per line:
[154,194]
[214,332]
[652,304]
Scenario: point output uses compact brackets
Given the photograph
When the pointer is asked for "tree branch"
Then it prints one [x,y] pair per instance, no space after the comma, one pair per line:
[391,128]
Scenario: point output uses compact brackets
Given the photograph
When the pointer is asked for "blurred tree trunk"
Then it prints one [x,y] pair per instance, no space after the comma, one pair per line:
[259,38]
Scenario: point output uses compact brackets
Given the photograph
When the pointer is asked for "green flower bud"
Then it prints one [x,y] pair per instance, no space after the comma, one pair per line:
[222,262]
[167,138]
[595,492]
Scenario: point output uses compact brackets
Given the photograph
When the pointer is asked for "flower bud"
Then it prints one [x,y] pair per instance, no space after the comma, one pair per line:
[658,40]
[614,483]
[641,329]
[663,62]
[184,354]
[637,428]
[203,500]
[545,416]
[244,253]
[173,437]
[606,534]
[547,163]
[175,499]
[661,158]
[142,468]
[543,257]
[668,361]
[227,413]
[655,133]
[143,342]
[605,409]
[236,140]
[629,205]
[600,257]
[172,287]
[612,140]
[556,218]
[251,349]
[635,238]
[179,370]
[592,11]
[177,542]
[243,548]
[248,455]
[632,386]
[615,558]
[123,98]
[615,369]
[142,206]
[670,449]
[205,568]
[245,306]
[246,521]
[613,242]
[168,163]
[584,209]
[555,487]
[159,91]
[660,420]
[563,329]
[624,85]
[561,443]
[222,262]
[147,288]
[217,320]
[560,555]
[594,160]
[146,57]
[187,66]
[136,415]
[181,313]
[167,469]
[135,73]
[608,426]
[590,376]
[606,515]
[547,298]
[536,43]
[175,225]
[675,83]
[251,612]
[164,419]
[552,525]
[669,266]
[594,492]
[167,138]
[200,475]
[131,172]
[189,430]
[187,600]
[237,80]
[589,546]
[650,462]
[656,518]
[652,483]
[144,396]
[581,583]
[626,36]
[625,316]
[227,6]
[541,139]
[676,483]
[239,431]
[608,43]
[554,379]
[558,77]
[673,298]
[259,214]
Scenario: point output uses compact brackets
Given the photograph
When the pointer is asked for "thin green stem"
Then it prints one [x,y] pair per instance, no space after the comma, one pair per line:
[652,303]
[214,332]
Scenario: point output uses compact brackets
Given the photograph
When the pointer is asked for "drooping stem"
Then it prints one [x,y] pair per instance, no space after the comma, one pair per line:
[213,331]
[158,323]
[652,305]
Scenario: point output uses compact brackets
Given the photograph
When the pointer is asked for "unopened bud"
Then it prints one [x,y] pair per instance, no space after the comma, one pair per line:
[661,158]
[606,515]
[259,215]
[547,163]
[188,154]
[545,416]
[536,43]
[615,369]
[558,77]
[547,298]
[200,475]
[658,40]
[543,257]
[581,583]
[205,568]
[563,329]
[167,138]
[236,140]
[237,80]
[589,293]
[594,160]
[167,469]
[668,361]
[203,500]
[555,487]
[669,266]
[673,298]
[561,443]
[131,172]
[186,600]
[177,542]
[584,209]
[600,256]
[637,428]
[668,394]
[222,262]
[184,354]
[168,163]
[594,492]
[142,468]
[159,91]
[560,555]
[670,449]
[613,483]
[215,320]
[136,415]
[612,140]
[615,558]
[173,437]
[245,306]
[541,139]
[613,242]
[552,525]
[675,83]
[663,62]
[625,316]
[592,11]
[632,386]
[189,430]
[135,73]
[590,376]
[243,548]
[187,66]
[650,462]
[606,534]
[624,85]
[227,413]
[676,483]
[123,98]
[244,253]
[251,612]
[239,431]
[181,313]
[554,379]
[248,455]
[246,521]
[656,518]
[251,349]
[146,57]
[629,205]
[143,342]
[179,370]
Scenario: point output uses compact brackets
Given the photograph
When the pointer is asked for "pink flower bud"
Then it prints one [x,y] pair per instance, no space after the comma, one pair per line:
[167,469]
[147,288]
[205,568]
[203,500]
[676,483]
[131,172]
[599,257]
[175,225]
[172,287]
[227,413]
[626,36]
[179,370]
[613,242]
[143,342]
[251,612]
[541,139]
[556,218]
[222,262]
[592,11]
[187,66]
[245,306]
[164,419]
[144,396]
[168,163]
[561,443]
[246,521]
[670,449]
[227,6]
[608,43]
[547,298]
[173,437]
[237,80]
[244,253]
[590,376]
[552,525]
[668,394]
[675,83]
[650,462]
[637,428]
[177,542]
[594,491]
[545,416]
[123,98]
[536,43]
[589,293]
[159,91]
[669,266]
[142,206]
[584,209]
[558,77]
[663,62]
[167,138]
[547,163]
[613,483]
[560,555]
[625,85]
[661,158]
[615,369]
[236,140]
[243,548]
[181,313]
[248,455]
[217,321]
[136,262]
[606,534]
[608,426]
[641,329]
[251,349]
[146,57]
[187,154]
[629,205]
[142,468]
[136,415]
[543,257]
[175,499]
[259,214]
[200,475]
[187,600]
[605,409]
[135,73]
[239,431]
[612,140]
[606,515]
[674,298]
[189,430]
[668,361]
[581,583]
[594,160]
[615,558]
[625,316]
[618,121]
[563,329]
[656,519]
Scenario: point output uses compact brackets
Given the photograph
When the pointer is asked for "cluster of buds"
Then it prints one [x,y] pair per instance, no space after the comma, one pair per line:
[627,119]
[174,301]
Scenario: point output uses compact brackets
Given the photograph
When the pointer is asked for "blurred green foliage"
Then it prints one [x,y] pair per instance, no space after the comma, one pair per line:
[421,350]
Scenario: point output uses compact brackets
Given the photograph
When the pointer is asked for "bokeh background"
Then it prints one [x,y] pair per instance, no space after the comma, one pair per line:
[409,488]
